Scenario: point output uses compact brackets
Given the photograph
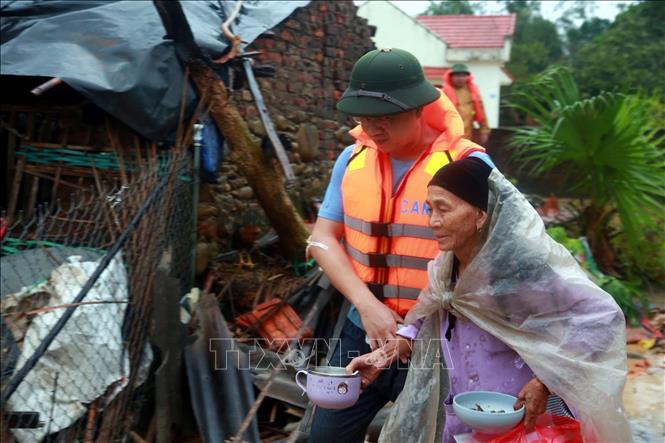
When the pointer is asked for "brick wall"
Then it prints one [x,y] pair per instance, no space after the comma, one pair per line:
[313,52]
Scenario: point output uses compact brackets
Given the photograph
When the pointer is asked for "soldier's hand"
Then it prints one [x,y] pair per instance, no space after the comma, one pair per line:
[380,323]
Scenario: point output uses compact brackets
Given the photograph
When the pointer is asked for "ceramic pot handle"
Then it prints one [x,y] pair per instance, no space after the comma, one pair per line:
[301,385]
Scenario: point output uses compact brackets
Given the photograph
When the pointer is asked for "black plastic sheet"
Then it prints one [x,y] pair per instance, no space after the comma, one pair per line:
[220,382]
[114,52]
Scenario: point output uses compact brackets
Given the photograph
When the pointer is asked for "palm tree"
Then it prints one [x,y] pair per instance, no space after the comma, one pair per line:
[609,148]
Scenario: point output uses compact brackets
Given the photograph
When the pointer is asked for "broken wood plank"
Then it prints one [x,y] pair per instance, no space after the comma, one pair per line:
[90,423]
[56,185]
[10,128]
[59,181]
[66,146]
[32,198]
[117,148]
[295,412]
[136,438]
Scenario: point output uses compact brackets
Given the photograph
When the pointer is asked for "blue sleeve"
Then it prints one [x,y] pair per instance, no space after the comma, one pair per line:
[332,208]
[484,157]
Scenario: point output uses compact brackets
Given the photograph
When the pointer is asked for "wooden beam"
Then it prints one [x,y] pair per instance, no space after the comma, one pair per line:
[57,180]
[32,199]
[73,147]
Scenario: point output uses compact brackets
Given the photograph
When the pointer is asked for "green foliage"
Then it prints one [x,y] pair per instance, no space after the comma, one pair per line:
[576,38]
[536,42]
[453,7]
[574,12]
[607,145]
[655,107]
[525,7]
[536,45]
[573,245]
[648,263]
[627,57]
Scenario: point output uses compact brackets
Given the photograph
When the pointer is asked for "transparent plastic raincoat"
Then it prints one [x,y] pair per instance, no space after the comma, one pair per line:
[527,290]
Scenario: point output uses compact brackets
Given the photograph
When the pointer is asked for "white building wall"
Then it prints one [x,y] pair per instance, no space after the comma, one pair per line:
[395,29]
[508,45]
[458,55]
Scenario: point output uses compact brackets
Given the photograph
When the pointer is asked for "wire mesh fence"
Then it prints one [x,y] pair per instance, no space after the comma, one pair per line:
[77,297]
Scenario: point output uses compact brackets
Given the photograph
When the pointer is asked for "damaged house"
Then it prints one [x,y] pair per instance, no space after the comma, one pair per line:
[122,193]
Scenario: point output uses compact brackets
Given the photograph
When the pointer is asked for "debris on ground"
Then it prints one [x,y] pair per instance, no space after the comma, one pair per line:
[643,395]
[275,321]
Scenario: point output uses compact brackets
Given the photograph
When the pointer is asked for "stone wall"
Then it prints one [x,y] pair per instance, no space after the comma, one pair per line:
[312,51]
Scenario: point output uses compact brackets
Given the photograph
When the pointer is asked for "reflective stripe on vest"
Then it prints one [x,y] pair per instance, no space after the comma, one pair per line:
[377,229]
[376,260]
[392,291]
[386,231]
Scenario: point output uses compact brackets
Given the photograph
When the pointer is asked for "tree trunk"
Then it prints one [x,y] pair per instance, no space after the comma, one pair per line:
[263,179]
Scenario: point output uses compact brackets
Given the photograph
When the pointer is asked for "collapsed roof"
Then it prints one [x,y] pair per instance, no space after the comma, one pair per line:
[114,52]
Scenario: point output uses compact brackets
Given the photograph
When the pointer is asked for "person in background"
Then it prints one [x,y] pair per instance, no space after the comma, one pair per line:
[459,86]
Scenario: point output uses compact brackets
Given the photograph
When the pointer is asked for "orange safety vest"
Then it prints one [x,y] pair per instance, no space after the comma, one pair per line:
[387,235]
[473,89]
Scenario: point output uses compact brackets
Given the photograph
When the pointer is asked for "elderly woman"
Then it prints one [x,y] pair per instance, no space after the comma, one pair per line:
[514,313]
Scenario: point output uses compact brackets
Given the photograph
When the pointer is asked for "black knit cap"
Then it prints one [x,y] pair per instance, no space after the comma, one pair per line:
[467,179]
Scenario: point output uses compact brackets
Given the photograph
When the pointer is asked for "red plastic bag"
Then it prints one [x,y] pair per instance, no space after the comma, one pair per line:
[549,429]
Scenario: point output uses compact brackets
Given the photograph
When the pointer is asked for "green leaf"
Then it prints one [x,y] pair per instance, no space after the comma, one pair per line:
[607,145]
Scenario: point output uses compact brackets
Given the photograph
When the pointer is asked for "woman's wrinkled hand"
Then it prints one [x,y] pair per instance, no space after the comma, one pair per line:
[534,395]
[369,365]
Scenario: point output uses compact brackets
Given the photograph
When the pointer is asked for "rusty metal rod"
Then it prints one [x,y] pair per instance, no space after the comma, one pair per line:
[267,122]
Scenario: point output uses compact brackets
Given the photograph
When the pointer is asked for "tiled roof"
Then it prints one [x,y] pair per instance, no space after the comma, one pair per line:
[471,31]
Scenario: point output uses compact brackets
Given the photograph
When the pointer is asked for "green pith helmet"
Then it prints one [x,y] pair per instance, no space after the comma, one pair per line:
[385,82]
[459,68]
